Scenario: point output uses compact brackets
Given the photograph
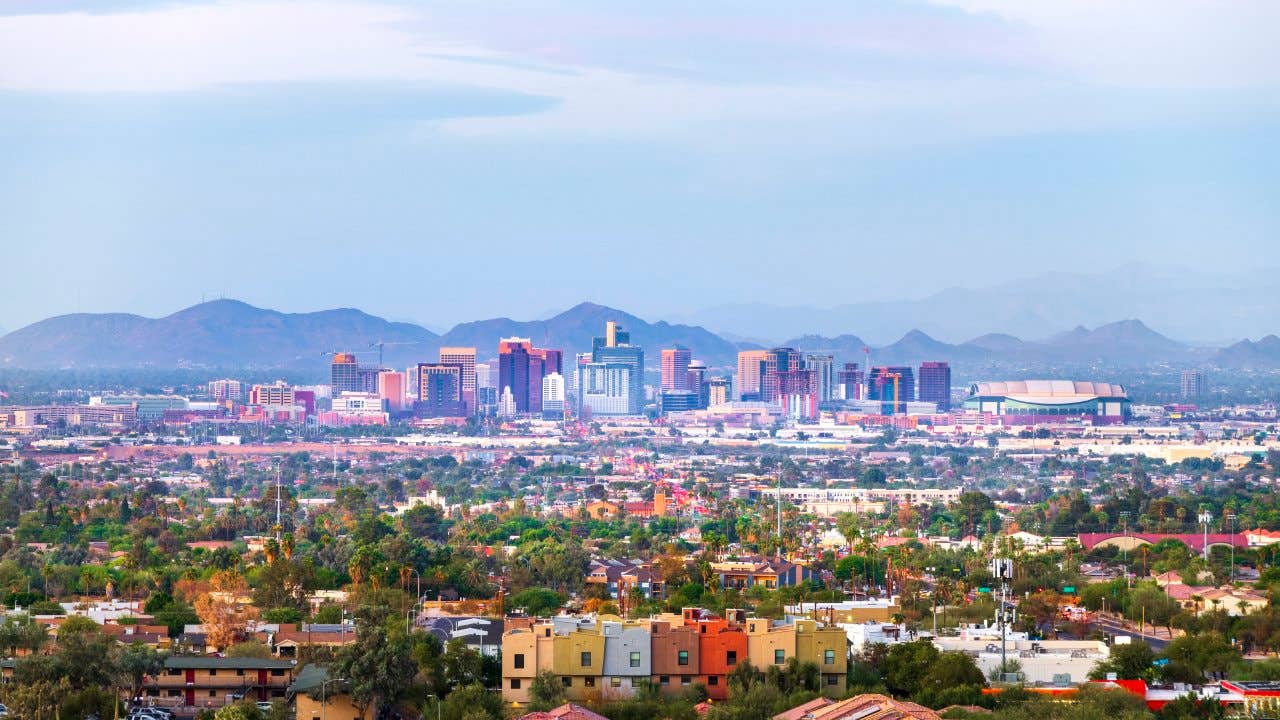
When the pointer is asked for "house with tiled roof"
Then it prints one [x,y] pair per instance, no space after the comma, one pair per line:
[870,705]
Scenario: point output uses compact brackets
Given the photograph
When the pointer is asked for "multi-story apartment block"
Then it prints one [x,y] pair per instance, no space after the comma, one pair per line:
[206,681]
[606,657]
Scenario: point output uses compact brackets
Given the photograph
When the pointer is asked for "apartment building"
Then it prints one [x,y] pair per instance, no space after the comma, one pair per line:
[206,681]
[605,657]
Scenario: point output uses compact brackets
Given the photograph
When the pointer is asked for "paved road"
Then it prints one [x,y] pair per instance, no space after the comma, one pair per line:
[1114,627]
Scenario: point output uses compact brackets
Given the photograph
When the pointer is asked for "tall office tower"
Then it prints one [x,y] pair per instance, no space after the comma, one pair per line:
[439,390]
[750,372]
[553,396]
[935,384]
[606,389]
[675,369]
[344,374]
[367,377]
[485,375]
[513,370]
[1193,384]
[719,391]
[537,370]
[615,349]
[849,382]
[466,357]
[778,362]
[391,389]
[697,384]
[227,391]
[824,368]
[881,386]
[507,403]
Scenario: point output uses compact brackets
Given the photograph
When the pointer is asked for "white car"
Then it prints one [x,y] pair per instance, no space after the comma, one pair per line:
[4,710]
[264,706]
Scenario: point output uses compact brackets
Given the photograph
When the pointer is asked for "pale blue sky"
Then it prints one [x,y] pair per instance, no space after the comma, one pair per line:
[456,160]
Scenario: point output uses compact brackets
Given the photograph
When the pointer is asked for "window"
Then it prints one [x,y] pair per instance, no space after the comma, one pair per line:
[240,672]
[704,629]
[833,679]
[713,680]
[589,682]
[277,673]
[731,657]
[175,693]
[566,681]
[779,657]
[683,658]
[829,657]
[518,661]
[213,672]
[635,659]
[515,683]
[586,659]
[175,671]
[615,682]
[685,680]
[213,693]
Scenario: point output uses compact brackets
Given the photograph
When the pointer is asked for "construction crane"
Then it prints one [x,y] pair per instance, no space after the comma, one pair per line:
[382,343]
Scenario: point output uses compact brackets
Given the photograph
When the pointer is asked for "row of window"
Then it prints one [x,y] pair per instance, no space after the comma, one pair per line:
[682,658]
[664,680]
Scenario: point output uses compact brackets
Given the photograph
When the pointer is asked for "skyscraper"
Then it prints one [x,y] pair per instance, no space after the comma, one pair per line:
[789,383]
[553,396]
[344,374]
[439,390]
[935,384]
[513,370]
[750,372]
[466,358]
[615,350]
[697,384]
[1193,384]
[232,391]
[849,382]
[824,369]
[886,383]
[719,391]
[391,390]
[675,369]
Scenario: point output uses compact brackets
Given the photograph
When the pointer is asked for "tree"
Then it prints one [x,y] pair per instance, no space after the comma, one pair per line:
[952,679]
[460,664]
[136,662]
[546,691]
[224,609]
[86,656]
[380,667]
[238,711]
[537,601]
[472,702]
[1129,662]
[906,665]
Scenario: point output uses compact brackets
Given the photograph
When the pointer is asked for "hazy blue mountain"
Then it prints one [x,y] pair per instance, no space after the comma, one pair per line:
[229,333]
[220,333]
[1182,303]
[573,330]
[1247,354]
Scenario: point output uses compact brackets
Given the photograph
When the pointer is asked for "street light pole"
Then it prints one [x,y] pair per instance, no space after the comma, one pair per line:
[323,701]
[1204,517]
[1231,520]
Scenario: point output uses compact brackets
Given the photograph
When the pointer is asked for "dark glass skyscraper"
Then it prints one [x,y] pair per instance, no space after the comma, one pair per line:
[935,384]
[881,386]
[513,370]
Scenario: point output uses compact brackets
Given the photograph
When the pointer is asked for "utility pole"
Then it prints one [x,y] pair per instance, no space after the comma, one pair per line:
[1231,520]
[1002,569]
[278,526]
[779,513]
[1205,517]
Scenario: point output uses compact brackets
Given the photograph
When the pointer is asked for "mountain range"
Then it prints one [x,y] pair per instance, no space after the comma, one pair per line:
[1183,303]
[233,334]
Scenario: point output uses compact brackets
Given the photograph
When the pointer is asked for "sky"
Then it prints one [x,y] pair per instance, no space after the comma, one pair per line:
[447,161]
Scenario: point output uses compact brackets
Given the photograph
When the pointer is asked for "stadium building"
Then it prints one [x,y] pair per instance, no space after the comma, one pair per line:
[1030,402]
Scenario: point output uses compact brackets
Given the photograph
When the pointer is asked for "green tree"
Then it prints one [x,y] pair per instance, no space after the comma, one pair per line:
[379,667]
[906,665]
[546,691]
[1132,661]
[136,661]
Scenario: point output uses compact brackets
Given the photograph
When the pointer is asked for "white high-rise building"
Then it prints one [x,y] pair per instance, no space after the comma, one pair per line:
[605,388]
[553,397]
[824,367]
[506,403]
